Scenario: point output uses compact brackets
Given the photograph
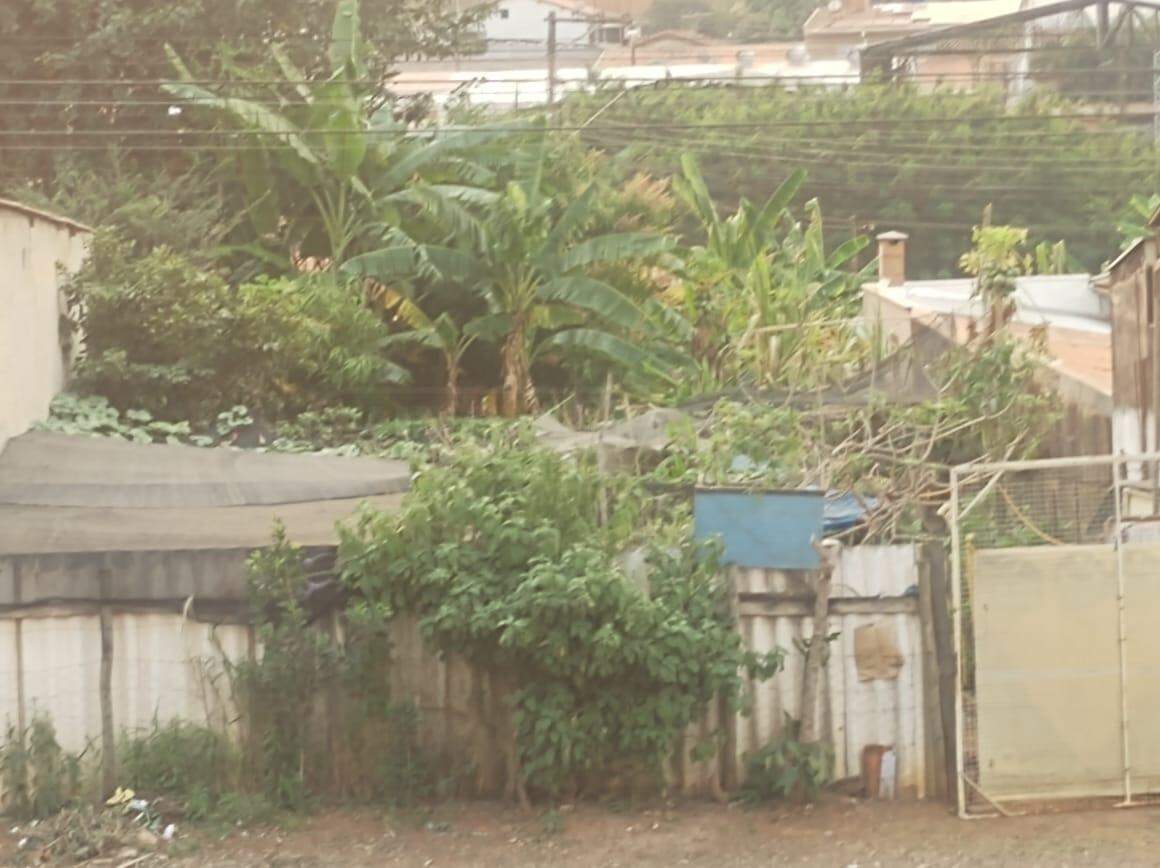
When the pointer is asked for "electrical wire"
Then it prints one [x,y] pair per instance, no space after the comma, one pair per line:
[853,76]
[850,152]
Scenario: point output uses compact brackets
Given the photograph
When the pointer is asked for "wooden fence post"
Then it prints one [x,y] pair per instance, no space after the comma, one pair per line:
[108,734]
[816,654]
[934,609]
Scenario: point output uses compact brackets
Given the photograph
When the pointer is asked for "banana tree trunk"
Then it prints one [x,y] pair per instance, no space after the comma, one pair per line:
[519,393]
[451,395]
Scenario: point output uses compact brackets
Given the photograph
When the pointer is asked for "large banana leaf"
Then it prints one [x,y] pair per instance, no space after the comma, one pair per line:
[668,319]
[344,37]
[249,114]
[765,221]
[599,343]
[336,113]
[423,151]
[452,263]
[847,250]
[447,210]
[691,187]
[571,221]
[490,327]
[614,247]
[292,73]
[597,297]
[386,264]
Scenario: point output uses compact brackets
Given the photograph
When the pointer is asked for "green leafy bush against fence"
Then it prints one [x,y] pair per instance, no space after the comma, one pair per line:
[508,559]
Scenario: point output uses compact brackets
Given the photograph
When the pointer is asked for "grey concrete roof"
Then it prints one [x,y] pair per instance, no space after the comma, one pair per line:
[62,493]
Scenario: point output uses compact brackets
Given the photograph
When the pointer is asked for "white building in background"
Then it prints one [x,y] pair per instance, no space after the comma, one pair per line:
[578,24]
[503,81]
[34,345]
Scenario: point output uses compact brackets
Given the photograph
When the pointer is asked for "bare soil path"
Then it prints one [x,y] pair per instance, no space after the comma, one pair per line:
[839,832]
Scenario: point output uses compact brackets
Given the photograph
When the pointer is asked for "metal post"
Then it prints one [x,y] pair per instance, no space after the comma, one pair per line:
[957,615]
[1153,414]
[1123,634]
[551,59]
[1156,97]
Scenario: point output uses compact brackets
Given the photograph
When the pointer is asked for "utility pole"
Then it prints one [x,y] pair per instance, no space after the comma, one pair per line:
[551,59]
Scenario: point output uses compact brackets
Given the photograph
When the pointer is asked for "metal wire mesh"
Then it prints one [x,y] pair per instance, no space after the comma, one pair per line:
[1049,558]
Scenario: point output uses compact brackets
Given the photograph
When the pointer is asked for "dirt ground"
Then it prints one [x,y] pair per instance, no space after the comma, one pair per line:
[840,832]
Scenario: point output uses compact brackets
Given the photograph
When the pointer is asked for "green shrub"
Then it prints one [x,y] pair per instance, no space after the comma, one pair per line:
[163,335]
[37,777]
[507,556]
[785,768]
[188,762]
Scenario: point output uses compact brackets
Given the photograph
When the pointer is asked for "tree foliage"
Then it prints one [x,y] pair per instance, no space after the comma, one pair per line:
[530,256]
[765,295]
[166,336]
[996,261]
[78,66]
[896,157]
[504,558]
[740,20]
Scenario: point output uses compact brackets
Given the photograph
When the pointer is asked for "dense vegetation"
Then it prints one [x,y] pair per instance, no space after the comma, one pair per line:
[306,252]
[894,157]
[509,557]
[741,20]
[300,240]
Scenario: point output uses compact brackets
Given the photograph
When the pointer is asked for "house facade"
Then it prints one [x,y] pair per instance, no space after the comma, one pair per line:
[1065,315]
[1130,285]
[36,250]
[578,23]
[842,28]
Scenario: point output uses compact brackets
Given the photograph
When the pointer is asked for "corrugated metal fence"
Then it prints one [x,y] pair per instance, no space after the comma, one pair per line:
[874,587]
[164,666]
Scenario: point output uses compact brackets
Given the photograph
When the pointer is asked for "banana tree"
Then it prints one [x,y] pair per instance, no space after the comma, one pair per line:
[762,284]
[530,257]
[325,174]
[442,334]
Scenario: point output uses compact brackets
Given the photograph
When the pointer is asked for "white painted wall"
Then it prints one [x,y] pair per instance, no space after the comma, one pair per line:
[165,667]
[528,20]
[32,364]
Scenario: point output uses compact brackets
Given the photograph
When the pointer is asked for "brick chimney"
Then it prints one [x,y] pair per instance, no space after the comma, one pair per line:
[892,258]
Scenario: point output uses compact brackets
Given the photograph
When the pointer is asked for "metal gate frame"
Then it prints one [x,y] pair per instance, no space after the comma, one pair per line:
[1119,465]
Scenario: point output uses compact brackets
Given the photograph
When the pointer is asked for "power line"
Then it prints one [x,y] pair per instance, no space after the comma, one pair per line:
[889,144]
[662,126]
[798,160]
[789,76]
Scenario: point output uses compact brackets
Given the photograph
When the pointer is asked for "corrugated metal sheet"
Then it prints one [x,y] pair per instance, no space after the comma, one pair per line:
[61,676]
[856,713]
[164,666]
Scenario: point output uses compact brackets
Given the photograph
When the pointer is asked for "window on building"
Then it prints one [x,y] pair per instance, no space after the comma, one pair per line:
[503,13]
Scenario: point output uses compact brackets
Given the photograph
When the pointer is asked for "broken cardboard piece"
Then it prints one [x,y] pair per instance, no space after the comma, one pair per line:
[876,652]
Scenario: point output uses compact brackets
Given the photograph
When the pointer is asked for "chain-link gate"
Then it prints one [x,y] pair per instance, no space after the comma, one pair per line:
[1056,595]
